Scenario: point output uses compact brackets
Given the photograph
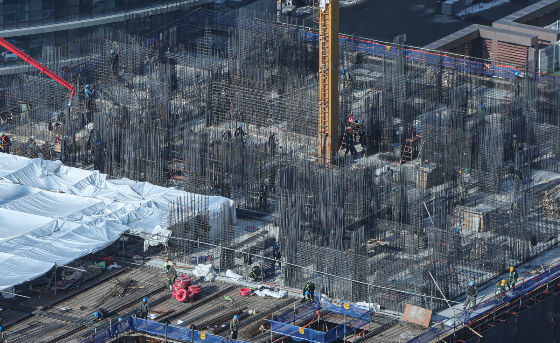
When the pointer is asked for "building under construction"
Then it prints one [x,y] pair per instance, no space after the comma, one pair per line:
[457,173]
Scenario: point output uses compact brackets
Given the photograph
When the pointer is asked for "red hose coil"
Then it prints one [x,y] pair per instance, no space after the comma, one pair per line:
[181,295]
[244,292]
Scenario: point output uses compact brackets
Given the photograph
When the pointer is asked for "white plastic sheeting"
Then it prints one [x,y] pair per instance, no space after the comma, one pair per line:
[51,214]
[268,293]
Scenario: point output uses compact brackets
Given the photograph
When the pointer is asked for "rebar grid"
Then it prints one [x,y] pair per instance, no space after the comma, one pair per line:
[476,193]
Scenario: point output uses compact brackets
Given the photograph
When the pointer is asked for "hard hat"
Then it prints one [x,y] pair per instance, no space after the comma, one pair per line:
[88,85]
[0,328]
[235,317]
[342,71]
[1,308]
[120,319]
[276,245]
[471,283]
[32,137]
[112,51]
[358,121]
[165,265]
[272,133]
[306,292]
[95,314]
[481,106]
[144,299]
[240,125]
[516,73]
[514,135]
[511,269]
[59,112]
[515,199]
[109,112]
[67,136]
[2,133]
[503,282]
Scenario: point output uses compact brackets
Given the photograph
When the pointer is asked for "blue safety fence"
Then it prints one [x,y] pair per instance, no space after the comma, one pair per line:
[305,312]
[346,309]
[488,305]
[155,329]
[281,324]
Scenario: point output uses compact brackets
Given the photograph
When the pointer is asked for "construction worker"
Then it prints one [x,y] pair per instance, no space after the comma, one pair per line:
[3,338]
[256,272]
[349,143]
[144,308]
[514,205]
[5,143]
[1,309]
[472,292]
[114,58]
[60,117]
[24,112]
[309,291]
[512,277]
[272,143]
[263,196]
[89,105]
[234,327]
[89,92]
[31,146]
[500,290]
[171,275]
[239,132]
[277,255]
[517,83]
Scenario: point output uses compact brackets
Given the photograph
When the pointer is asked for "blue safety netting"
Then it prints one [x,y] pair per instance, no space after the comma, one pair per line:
[305,312]
[156,329]
[358,317]
[112,331]
[488,305]
[347,309]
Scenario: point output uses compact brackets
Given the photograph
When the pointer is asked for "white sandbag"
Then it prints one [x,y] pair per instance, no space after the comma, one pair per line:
[267,292]
[202,270]
[210,277]
[368,306]
[233,275]
[114,265]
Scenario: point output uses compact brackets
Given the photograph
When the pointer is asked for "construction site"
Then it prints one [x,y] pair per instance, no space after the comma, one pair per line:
[453,176]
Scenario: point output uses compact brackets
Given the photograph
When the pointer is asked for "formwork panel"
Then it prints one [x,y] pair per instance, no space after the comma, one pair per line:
[528,322]
[510,329]
[546,324]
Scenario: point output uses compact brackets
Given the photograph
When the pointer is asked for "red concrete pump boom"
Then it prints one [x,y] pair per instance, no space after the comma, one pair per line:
[39,66]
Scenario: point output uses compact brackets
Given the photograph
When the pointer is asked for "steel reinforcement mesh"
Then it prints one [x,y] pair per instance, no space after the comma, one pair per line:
[458,166]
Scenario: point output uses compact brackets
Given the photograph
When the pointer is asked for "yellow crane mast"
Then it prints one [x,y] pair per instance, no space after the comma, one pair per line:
[328,78]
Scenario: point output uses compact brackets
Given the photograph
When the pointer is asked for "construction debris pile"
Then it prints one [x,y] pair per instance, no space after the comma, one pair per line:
[453,153]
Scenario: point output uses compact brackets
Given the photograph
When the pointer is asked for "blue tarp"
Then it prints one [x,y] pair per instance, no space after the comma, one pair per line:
[281,324]
[156,329]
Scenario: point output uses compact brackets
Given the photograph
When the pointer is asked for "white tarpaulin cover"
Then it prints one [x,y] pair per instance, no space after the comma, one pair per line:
[50,214]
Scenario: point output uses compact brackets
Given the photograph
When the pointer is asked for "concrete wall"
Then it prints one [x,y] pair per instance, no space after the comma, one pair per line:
[450,7]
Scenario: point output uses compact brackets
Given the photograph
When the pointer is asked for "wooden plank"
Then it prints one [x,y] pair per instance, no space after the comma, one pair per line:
[417,315]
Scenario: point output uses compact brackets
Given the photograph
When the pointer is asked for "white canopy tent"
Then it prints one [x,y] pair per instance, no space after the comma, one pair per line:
[51,214]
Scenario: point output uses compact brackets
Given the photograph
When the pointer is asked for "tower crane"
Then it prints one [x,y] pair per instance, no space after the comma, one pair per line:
[328,78]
